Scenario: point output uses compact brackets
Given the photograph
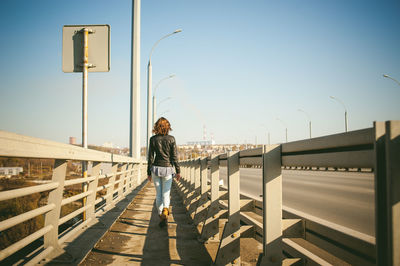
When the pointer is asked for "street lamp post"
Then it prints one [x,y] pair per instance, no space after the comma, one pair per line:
[268,135]
[284,124]
[134,136]
[389,77]
[149,93]
[154,97]
[309,119]
[345,112]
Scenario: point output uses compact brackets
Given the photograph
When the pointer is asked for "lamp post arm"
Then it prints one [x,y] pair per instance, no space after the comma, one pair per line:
[344,106]
[158,83]
[154,46]
[339,101]
[395,80]
[166,99]
[389,77]
[283,123]
[157,42]
[346,123]
[307,115]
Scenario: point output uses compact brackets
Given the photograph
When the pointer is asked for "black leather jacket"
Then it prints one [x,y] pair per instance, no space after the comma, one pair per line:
[164,147]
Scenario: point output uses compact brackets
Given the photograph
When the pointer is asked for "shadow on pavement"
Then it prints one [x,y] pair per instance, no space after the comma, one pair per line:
[76,249]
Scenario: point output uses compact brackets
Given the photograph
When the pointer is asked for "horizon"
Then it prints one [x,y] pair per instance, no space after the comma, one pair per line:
[242,69]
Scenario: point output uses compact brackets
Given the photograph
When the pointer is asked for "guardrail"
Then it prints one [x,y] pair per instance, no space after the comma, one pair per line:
[283,232]
[125,176]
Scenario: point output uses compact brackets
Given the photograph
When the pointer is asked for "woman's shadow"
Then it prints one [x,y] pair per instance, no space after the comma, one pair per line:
[177,242]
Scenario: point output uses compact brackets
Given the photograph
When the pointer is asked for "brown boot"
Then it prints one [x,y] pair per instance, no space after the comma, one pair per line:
[163,218]
[165,213]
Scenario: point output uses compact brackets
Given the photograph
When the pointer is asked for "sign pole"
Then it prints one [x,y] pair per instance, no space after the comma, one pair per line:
[84,109]
[76,59]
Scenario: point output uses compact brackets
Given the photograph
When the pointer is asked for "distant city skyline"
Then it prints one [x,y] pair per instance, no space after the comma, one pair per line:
[240,66]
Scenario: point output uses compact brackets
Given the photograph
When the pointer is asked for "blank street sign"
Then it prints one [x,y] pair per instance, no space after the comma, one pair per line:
[98,43]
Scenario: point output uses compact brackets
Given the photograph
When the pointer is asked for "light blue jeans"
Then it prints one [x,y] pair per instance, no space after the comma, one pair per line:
[163,189]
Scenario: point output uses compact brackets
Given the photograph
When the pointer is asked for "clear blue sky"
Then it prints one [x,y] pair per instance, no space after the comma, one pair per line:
[239,65]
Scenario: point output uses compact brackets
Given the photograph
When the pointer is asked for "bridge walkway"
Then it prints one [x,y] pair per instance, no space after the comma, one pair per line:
[136,238]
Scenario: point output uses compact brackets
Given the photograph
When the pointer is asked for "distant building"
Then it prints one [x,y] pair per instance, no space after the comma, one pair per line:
[10,171]
[72,140]
[201,143]
[105,168]
[204,142]
[108,145]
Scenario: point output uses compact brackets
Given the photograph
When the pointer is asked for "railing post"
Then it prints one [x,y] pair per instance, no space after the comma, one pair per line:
[143,173]
[110,189]
[197,176]
[121,180]
[187,180]
[387,192]
[196,192]
[272,206]
[182,182]
[201,210]
[192,178]
[128,178]
[132,177]
[125,181]
[229,247]
[137,174]
[210,228]
[187,175]
[55,197]
[91,199]
[190,191]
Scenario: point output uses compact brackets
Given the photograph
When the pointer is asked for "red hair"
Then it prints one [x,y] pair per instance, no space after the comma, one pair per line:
[162,127]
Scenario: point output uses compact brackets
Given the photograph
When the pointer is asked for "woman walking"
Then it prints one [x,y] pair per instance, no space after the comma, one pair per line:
[163,166]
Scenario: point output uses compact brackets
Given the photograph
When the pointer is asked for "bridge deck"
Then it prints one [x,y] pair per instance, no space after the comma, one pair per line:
[136,238]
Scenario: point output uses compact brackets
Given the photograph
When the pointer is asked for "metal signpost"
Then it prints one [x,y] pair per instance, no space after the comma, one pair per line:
[76,58]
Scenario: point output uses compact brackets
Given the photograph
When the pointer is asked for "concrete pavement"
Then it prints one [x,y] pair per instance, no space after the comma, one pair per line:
[136,238]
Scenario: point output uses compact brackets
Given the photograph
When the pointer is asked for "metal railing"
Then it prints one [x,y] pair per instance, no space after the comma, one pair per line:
[282,231]
[125,176]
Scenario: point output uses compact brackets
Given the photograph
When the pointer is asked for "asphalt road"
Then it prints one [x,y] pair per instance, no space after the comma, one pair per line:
[343,198]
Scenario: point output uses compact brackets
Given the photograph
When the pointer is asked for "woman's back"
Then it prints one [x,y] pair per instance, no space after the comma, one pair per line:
[164,148]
